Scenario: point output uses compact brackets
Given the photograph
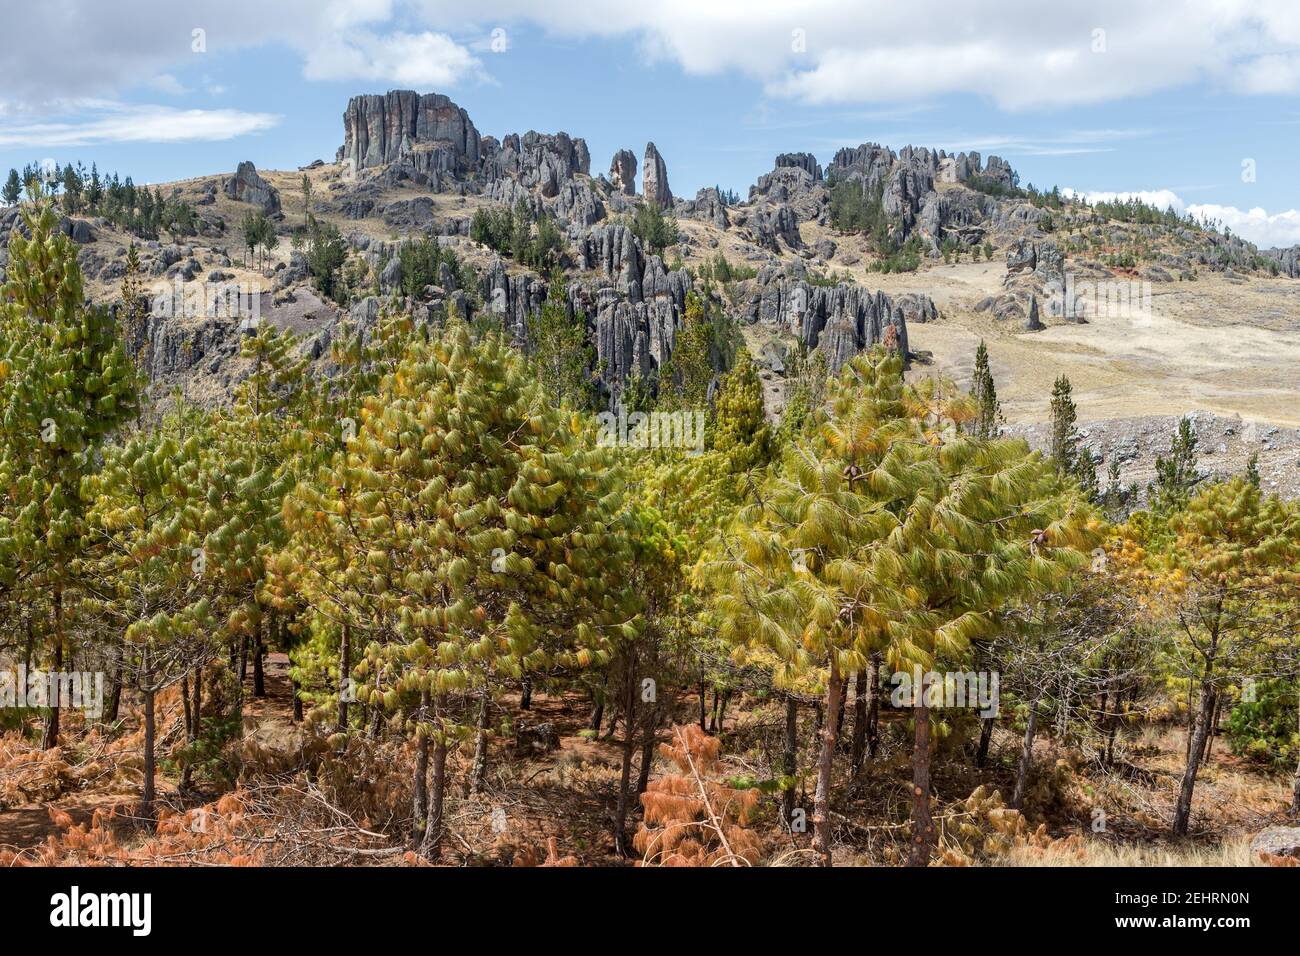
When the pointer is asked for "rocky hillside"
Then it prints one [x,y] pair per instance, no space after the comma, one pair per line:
[988,259]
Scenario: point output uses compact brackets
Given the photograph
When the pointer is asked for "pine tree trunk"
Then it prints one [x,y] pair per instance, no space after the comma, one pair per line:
[922,822]
[825,764]
[526,696]
[114,695]
[986,738]
[479,773]
[861,681]
[259,671]
[1295,783]
[788,757]
[185,706]
[51,737]
[722,711]
[345,672]
[192,710]
[704,698]
[1026,757]
[622,845]
[1214,728]
[243,659]
[30,647]
[147,798]
[198,701]
[873,708]
[432,846]
[420,797]
[1112,726]
[598,704]
[648,749]
[842,709]
[297,700]
[1183,810]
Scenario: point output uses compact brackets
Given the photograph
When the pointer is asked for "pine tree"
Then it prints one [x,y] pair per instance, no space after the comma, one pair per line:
[807,378]
[1176,474]
[560,350]
[472,528]
[13,188]
[250,233]
[1252,469]
[144,582]
[988,411]
[1067,451]
[889,531]
[258,447]
[740,428]
[1228,573]
[65,386]
[1065,438]
[688,374]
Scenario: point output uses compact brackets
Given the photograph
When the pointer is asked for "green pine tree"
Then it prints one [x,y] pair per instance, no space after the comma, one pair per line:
[66,386]
[740,427]
[988,411]
[1176,473]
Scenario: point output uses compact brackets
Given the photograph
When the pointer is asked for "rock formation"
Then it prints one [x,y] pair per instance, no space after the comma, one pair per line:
[707,205]
[654,176]
[247,186]
[622,172]
[796,181]
[389,128]
[1033,323]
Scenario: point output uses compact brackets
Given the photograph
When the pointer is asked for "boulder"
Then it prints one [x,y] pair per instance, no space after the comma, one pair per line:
[247,186]
[539,738]
[1277,841]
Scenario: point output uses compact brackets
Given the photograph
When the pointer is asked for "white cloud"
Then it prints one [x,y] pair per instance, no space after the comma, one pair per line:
[1255,225]
[1279,229]
[166,83]
[423,60]
[79,48]
[1159,198]
[117,123]
[1018,53]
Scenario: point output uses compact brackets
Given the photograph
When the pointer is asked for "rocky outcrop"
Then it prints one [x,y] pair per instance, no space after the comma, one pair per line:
[707,205]
[633,304]
[795,181]
[805,161]
[622,172]
[1286,260]
[770,223]
[905,182]
[839,320]
[957,213]
[429,140]
[539,161]
[1043,260]
[654,178]
[427,131]
[247,186]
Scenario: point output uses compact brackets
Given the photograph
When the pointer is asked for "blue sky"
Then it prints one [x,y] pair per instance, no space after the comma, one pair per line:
[1192,103]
